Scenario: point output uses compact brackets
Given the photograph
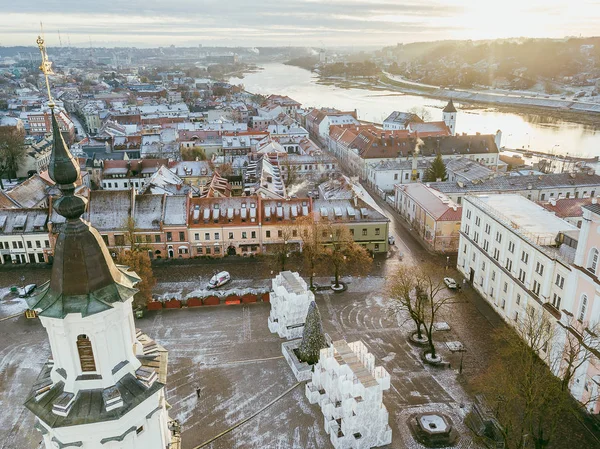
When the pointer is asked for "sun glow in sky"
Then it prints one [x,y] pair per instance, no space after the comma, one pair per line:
[148,23]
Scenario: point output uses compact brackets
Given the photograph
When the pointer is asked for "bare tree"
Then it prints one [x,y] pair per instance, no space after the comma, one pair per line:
[311,233]
[408,298]
[421,112]
[287,243]
[582,346]
[430,281]
[12,152]
[343,253]
[528,400]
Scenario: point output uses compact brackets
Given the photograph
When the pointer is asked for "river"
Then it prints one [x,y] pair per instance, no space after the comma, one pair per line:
[535,131]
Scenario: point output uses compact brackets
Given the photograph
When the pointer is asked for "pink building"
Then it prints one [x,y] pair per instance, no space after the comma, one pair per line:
[581,316]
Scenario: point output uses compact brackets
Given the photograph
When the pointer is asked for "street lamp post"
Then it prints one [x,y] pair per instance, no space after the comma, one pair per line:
[462,353]
[447,261]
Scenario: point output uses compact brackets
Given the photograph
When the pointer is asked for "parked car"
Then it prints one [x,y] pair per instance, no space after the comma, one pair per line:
[450,283]
[218,280]
[391,240]
[27,290]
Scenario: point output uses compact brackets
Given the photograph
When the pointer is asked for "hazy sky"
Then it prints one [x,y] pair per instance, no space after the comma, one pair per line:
[290,22]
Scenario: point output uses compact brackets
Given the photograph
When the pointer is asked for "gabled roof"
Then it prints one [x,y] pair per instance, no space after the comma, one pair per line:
[403,118]
[109,209]
[31,193]
[436,204]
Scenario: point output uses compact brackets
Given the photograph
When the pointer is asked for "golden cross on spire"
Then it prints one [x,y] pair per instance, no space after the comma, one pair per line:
[46,67]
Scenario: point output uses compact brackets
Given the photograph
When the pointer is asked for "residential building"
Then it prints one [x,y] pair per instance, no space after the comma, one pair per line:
[302,167]
[24,236]
[368,226]
[400,120]
[466,170]
[224,226]
[127,174]
[431,214]
[372,146]
[195,173]
[289,105]
[533,187]
[384,175]
[39,123]
[318,121]
[160,221]
[37,156]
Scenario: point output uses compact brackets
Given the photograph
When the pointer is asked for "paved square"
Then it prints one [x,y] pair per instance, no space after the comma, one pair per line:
[230,354]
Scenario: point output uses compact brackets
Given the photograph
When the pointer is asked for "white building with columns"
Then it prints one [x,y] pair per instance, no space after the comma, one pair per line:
[523,259]
[516,254]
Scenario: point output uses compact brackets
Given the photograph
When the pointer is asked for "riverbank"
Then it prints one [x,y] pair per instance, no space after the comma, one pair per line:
[579,112]
[572,111]
[542,130]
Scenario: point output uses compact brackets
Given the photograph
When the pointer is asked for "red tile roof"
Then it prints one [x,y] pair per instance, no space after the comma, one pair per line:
[568,207]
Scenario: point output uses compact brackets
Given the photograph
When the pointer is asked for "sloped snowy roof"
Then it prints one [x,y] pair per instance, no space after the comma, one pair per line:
[175,210]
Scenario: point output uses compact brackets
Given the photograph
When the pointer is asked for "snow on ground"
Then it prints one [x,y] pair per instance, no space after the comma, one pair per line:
[10,304]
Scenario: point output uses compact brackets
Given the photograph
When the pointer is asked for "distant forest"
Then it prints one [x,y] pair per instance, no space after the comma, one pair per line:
[480,62]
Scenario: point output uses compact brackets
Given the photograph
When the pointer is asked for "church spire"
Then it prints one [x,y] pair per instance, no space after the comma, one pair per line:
[84,277]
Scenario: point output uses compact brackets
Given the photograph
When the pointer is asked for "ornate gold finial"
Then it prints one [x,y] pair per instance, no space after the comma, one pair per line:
[46,67]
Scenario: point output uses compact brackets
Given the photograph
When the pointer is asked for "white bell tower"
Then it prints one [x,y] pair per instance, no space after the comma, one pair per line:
[449,114]
[104,386]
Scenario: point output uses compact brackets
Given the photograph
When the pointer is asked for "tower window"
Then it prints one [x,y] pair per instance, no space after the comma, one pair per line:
[86,355]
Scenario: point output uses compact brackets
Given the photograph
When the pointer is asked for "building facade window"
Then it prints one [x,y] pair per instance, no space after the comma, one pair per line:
[582,308]
[536,288]
[539,268]
[86,354]
[556,301]
[560,281]
[593,261]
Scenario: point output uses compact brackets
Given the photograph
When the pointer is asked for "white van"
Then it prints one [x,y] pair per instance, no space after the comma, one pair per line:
[219,279]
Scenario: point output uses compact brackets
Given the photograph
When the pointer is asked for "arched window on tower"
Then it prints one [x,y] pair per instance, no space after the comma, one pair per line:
[86,354]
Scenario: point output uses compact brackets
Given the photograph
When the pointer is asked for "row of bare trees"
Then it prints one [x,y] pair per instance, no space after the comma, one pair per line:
[325,248]
[527,383]
[536,361]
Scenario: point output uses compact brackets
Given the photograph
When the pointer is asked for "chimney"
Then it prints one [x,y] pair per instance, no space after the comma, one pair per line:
[594,200]
[552,201]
